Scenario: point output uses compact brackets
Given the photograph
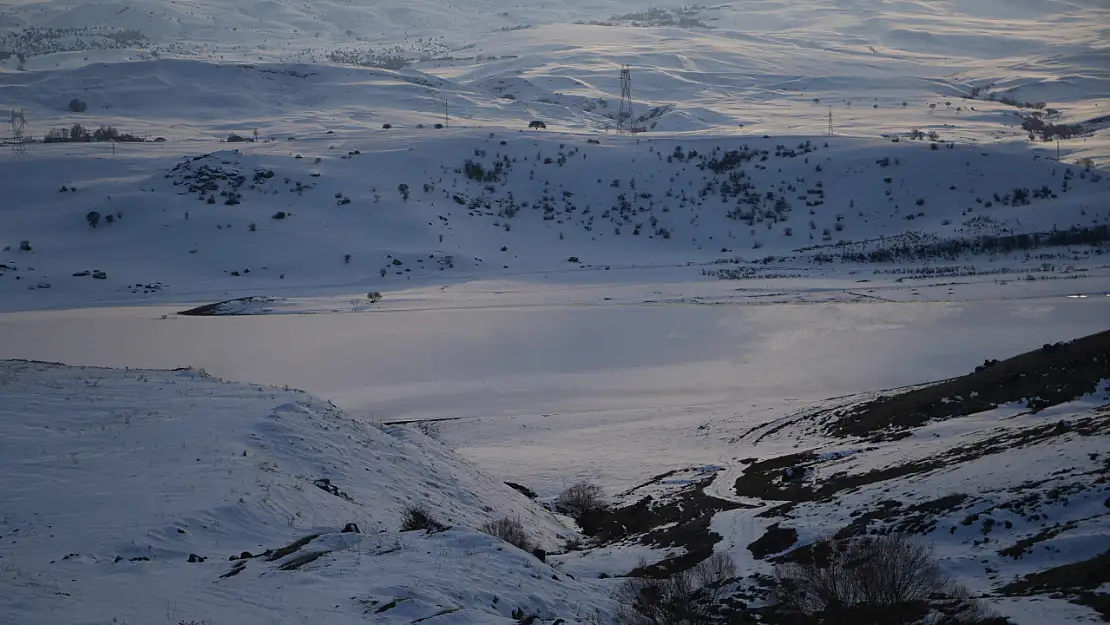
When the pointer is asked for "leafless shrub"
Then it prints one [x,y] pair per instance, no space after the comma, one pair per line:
[579,500]
[418,518]
[427,428]
[687,597]
[508,530]
[883,570]
[715,569]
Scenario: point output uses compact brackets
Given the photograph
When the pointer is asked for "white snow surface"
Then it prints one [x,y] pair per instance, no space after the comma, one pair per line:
[541,316]
[105,464]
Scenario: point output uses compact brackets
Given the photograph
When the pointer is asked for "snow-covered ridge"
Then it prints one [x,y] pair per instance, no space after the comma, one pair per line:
[369,211]
[116,479]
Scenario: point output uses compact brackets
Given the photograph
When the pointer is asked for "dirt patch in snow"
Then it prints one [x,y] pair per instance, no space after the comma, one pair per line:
[775,540]
[239,306]
[1041,378]
[680,518]
[1079,581]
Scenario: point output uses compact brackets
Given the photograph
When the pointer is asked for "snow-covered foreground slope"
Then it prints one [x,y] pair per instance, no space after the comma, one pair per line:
[1003,471]
[115,479]
[112,479]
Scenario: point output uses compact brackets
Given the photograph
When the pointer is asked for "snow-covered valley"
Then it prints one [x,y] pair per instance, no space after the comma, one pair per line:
[846,283]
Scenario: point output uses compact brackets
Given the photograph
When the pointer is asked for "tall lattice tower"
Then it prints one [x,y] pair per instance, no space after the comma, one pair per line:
[625,119]
[19,122]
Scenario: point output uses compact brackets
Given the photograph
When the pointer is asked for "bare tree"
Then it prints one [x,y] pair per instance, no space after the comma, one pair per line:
[687,597]
[418,518]
[580,499]
[883,570]
[508,530]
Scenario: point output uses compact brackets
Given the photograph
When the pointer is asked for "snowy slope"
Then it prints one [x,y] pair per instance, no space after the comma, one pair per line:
[778,67]
[666,314]
[113,478]
[525,203]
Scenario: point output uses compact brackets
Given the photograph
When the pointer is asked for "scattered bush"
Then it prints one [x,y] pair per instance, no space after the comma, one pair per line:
[865,572]
[508,530]
[280,215]
[25,246]
[579,500]
[93,218]
[374,297]
[418,518]
[77,106]
[689,597]
[431,429]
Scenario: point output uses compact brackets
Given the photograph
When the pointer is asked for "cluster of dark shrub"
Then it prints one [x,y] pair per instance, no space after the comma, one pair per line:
[79,134]
[42,40]
[1038,128]
[952,249]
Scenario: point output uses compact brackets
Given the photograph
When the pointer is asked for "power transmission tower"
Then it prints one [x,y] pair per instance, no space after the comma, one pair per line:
[625,119]
[830,122]
[19,122]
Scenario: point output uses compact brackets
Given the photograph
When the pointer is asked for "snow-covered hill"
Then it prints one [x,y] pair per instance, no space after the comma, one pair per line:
[116,481]
[827,199]
[1001,470]
[376,210]
[776,67]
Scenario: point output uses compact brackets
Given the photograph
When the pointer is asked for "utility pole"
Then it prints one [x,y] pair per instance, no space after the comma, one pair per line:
[625,119]
[446,120]
[1057,149]
[830,121]
[19,124]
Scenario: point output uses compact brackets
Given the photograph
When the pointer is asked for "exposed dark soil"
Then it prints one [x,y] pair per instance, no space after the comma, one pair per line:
[220,309]
[1044,377]
[766,479]
[775,540]
[291,547]
[1079,580]
[522,489]
[303,559]
[916,519]
[680,519]
[1025,545]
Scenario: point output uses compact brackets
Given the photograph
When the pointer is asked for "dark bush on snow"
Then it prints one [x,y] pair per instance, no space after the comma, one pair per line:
[579,500]
[886,580]
[418,518]
[690,597]
[508,530]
